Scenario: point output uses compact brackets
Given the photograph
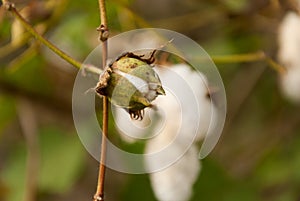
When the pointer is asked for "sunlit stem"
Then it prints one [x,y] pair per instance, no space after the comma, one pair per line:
[10,7]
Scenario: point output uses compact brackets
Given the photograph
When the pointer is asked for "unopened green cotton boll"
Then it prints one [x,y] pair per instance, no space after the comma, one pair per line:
[131,83]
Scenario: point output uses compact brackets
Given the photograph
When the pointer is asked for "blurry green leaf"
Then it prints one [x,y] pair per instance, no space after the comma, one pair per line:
[62,160]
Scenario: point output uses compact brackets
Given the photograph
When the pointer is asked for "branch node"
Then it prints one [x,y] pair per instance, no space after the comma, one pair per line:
[9,6]
[98,198]
[104,33]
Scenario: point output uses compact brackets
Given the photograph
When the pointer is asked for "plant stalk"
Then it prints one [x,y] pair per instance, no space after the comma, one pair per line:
[103,36]
[10,7]
[250,57]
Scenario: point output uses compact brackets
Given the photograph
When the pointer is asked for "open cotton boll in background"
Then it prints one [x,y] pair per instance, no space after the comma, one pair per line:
[290,84]
[168,183]
[175,183]
[169,109]
[198,84]
[164,125]
[289,39]
[289,55]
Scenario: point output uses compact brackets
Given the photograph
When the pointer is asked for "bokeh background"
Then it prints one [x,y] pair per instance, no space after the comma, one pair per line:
[41,156]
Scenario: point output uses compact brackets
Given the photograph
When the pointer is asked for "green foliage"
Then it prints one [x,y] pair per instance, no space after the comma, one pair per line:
[61,163]
[62,160]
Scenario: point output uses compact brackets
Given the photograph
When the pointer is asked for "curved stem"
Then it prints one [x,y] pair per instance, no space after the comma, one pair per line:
[10,7]
[249,57]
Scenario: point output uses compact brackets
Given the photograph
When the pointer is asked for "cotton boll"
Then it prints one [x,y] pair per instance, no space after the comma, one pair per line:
[178,120]
[290,84]
[197,83]
[289,40]
[175,183]
[289,56]
[171,108]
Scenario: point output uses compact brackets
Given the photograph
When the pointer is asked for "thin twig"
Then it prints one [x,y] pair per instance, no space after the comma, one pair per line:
[103,35]
[10,7]
[249,57]
[103,16]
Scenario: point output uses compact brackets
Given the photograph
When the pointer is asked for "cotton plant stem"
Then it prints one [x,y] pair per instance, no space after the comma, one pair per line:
[247,57]
[10,7]
[103,35]
[103,15]
[250,57]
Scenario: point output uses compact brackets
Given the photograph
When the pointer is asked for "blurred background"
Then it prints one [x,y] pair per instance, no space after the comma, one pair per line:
[41,156]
